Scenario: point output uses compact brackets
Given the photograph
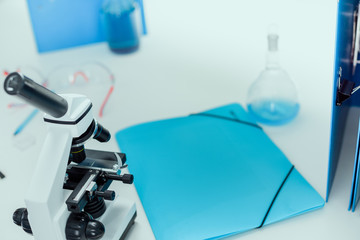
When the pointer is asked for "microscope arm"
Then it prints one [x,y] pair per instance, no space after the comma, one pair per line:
[45,197]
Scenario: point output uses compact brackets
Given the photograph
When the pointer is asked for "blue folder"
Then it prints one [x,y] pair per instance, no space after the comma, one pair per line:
[212,174]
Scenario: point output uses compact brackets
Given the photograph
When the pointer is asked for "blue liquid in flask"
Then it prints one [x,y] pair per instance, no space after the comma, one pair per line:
[274,112]
[121,31]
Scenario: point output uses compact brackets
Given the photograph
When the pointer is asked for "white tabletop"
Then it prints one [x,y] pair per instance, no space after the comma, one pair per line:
[197,55]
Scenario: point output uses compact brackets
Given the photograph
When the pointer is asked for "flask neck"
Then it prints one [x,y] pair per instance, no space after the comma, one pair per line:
[272,57]
[272,60]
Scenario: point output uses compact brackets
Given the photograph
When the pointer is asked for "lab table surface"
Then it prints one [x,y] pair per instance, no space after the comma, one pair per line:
[197,55]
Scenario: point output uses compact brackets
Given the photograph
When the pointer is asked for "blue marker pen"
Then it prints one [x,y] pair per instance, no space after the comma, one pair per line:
[26,121]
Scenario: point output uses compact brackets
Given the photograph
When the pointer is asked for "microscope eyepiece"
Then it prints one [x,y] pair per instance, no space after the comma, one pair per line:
[13,83]
[35,94]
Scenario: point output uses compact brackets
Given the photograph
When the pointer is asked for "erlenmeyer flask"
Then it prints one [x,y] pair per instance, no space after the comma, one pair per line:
[272,98]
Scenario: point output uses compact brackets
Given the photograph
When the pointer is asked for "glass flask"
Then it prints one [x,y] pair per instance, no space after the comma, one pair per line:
[272,97]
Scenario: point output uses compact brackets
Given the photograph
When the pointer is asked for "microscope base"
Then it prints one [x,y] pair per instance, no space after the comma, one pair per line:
[118,218]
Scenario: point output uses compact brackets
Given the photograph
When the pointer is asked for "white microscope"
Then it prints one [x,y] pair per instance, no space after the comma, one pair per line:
[66,196]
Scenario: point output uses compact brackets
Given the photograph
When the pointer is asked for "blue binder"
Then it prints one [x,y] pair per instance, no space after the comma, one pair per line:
[355,193]
[347,70]
[212,174]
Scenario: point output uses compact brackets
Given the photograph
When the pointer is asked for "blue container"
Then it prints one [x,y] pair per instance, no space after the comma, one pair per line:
[120,24]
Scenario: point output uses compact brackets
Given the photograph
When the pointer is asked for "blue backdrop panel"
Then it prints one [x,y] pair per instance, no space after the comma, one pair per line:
[59,24]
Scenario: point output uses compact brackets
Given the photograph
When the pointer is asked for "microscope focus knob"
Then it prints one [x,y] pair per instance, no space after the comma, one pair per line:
[81,226]
[94,230]
[20,218]
[18,215]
